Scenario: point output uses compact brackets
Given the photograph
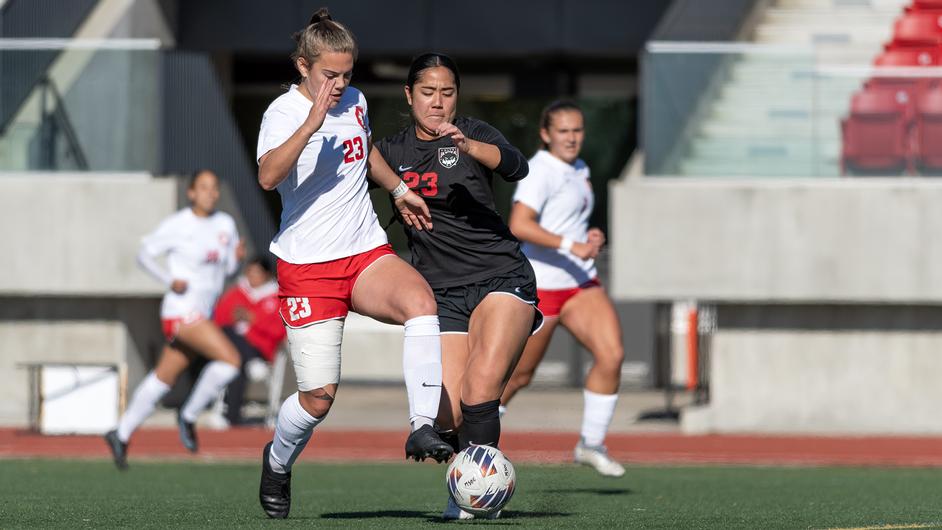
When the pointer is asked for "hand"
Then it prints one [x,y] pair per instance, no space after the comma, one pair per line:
[584,250]
[596,237]
[414,211]
[178,286]
[449,129]
[240,250]
[315,118]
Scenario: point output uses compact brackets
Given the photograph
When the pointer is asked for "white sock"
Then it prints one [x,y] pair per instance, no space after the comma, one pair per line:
[598,412]
[501,410]
[142,405]
[292,433]
[212,381]
[422,369]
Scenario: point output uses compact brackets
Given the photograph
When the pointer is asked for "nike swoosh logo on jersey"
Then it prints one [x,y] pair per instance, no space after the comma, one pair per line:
[428,385]
[401,168]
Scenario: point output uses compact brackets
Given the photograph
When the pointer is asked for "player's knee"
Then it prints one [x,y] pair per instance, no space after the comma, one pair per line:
[316,402]
[421,305]
[610,359]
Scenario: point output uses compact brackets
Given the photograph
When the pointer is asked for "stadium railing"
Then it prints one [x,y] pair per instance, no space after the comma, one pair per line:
[786,111]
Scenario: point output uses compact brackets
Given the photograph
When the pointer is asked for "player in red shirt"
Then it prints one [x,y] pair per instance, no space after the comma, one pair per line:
[248,315]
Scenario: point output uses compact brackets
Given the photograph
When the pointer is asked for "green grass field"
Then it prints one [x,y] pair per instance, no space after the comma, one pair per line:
[92,494]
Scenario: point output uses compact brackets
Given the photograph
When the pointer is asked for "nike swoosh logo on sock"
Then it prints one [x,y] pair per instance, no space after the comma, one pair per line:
[428,385]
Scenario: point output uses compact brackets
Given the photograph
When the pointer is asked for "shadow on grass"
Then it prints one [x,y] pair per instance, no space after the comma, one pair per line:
[515,514]
[404,514]
[408,514]
[593,491]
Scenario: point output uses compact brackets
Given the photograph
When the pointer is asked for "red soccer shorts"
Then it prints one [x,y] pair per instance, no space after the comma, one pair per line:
[552,301]
[171,326]
[314,292]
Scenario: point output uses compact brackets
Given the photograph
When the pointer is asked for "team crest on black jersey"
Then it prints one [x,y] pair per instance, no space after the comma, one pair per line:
[448,156]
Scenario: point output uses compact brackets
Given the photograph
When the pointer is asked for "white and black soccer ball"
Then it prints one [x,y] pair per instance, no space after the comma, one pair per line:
[480,479]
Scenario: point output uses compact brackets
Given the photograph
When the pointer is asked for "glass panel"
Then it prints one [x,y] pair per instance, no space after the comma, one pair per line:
[79,108]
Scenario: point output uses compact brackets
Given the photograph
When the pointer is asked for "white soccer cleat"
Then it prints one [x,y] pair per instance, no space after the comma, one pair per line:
[598,458]
[453,512]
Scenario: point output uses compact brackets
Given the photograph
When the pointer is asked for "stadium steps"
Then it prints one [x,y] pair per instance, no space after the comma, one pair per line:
[771,115]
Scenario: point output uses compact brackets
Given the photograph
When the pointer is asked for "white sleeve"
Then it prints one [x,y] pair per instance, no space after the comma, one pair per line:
[149,264]
[535,189]
[276,128]
[157,243]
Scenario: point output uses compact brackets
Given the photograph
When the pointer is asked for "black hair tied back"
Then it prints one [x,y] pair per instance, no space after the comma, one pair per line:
[319,15]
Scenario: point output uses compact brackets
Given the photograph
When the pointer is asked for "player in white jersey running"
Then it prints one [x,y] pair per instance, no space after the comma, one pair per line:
[333,257]
[551,216]
[202,248]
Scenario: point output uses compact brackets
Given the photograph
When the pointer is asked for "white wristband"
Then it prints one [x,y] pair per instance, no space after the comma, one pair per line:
[400,190]
[565,245]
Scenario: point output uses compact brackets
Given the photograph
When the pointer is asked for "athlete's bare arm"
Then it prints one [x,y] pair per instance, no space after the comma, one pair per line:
[526,227]
[274,166]
[487,154]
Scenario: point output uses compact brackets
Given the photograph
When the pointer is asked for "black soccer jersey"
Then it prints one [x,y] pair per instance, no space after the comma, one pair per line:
[470,242]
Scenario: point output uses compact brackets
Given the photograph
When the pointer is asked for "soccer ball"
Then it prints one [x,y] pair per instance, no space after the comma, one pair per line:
[480,479]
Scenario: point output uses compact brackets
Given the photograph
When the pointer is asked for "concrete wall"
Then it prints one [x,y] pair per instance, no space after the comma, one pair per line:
[785,241]
[828,296]
[73,234]
[71,290]
[864,382]
[119,331]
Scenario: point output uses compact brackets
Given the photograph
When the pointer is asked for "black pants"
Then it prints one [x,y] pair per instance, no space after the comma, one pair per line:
[235,392]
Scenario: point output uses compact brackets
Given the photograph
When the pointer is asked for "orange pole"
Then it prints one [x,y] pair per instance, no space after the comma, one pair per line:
[693,355]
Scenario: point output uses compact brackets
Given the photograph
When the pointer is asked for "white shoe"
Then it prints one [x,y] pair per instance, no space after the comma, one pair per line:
[257,370]
[598,458]
[453,512]
[216,422]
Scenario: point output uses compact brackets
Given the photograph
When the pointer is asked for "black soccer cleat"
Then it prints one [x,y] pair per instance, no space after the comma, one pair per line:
[187,434]
[119,450]
[274,491]
[424,443]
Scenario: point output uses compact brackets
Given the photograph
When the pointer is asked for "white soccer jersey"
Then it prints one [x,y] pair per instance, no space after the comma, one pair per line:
[327,211]
[200,251]
[561,194]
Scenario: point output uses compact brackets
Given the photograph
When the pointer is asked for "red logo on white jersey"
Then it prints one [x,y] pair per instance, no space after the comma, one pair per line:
[359,115]
[212,256]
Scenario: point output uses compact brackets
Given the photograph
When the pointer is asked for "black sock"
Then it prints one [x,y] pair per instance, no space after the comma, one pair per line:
[450,438]
[480,424]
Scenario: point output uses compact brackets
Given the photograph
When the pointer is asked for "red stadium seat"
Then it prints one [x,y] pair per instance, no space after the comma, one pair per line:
[925,5]
[928,130]
[904,91]
[917,28]
[875,133]
[909,56]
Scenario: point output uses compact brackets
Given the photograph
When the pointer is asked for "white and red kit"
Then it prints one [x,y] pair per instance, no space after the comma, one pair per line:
[329,231]
[561,195]
[200,251]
